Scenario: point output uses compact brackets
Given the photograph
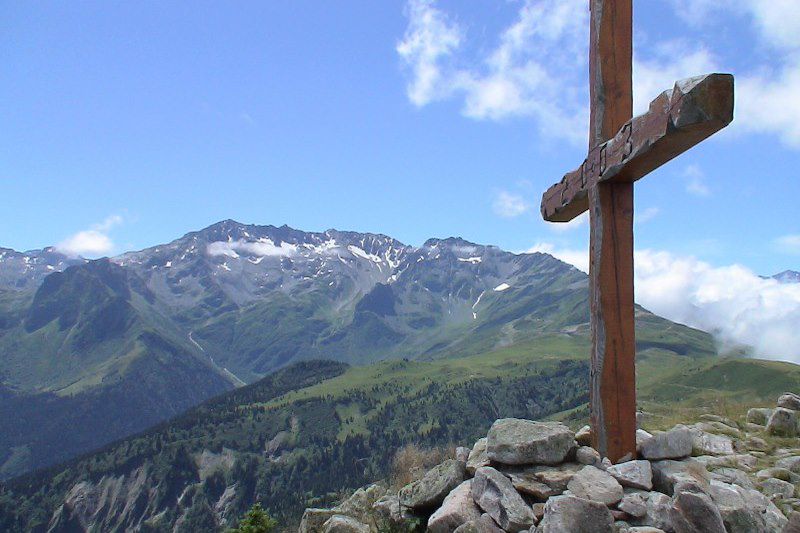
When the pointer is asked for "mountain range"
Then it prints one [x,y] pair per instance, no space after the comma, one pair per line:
[93,351]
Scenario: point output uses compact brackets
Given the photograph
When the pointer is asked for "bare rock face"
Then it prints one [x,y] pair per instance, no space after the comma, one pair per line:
[673,444]
[494,493]
[477,457]
[695,512]
[458,508]
[783,423]
[635,474]
[430,491]
[594,484]
[575,515]
[789,400]
[513,441]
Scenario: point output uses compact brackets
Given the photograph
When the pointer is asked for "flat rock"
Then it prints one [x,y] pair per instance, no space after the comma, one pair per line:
[458,508]
[772,487]
[667,473]
[742,461]
[571,514]
[673,444]
[344,524]
[556,477]
[477,456]
[513,441]
[732,476]
[429,492]
[789,400]
[591,483]
[759,415]
[635,474]
[526,481]
[695,512]
[704,443]
[494,493]
[783,423]
[721,419]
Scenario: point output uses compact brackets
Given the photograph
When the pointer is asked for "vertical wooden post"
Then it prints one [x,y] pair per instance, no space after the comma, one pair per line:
[613,377]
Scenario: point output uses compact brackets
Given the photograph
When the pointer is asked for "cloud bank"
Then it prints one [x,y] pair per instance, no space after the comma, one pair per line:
[734,304]
[260,248]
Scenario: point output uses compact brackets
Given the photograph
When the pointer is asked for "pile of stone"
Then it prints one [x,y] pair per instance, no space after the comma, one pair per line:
[714,476]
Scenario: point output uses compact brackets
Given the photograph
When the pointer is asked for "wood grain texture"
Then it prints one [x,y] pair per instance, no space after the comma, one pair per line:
[613,381]
[676,120]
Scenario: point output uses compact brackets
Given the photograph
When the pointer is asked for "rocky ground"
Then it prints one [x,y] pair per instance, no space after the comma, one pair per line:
[716,475]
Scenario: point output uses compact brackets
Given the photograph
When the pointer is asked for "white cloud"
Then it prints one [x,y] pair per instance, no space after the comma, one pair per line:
[577,222]
[537,68]
[695,184]
[733,303]
[93,242]
[577,258]
[766,100]
[646,215]
[429,38]
[509,205]
[667,63]
[259,248]
[789,244]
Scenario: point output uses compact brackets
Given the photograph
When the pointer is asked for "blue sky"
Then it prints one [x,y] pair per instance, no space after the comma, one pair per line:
[129,124]
[412,119]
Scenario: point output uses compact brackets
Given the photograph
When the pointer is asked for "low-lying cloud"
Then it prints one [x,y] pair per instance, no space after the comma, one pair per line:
[260,248]
[733,303]
[92,242]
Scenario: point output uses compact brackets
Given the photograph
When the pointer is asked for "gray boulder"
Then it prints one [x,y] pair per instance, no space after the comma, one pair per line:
[484,524]
[462,454]
[658,512]
[695,512]
[745,510]
[494,493]
[477,456]
[344,524]
[586,455]
[513,441]
[584,436]
[789,400]
[759,415]
[635,474]
[314,519]
[791,463]
[777,487]
[634,503]
[526,482]
[458,508]
[389,511]
[673,444]
[732,476]
[570,514]
[704,443]
[667,473]
[429,492]
[782,423]
[594,484]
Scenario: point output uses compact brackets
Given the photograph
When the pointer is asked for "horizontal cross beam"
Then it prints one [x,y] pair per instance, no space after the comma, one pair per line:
[677,119]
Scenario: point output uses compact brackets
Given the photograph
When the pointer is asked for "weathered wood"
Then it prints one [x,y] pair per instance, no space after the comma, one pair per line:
[678,119]
[612,388]
[622,150]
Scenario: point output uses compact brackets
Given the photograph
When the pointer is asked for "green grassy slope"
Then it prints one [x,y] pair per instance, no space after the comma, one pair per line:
[304,434]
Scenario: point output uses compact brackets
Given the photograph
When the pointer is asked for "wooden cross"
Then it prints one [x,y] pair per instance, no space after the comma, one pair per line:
[622,150]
